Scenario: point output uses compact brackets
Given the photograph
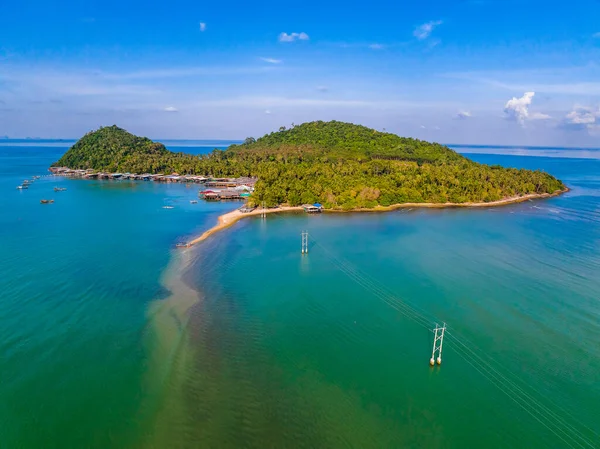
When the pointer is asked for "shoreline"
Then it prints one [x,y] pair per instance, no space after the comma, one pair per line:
[230,218]
[497,203]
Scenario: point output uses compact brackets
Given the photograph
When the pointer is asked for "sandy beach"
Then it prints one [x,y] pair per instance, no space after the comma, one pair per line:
[228,219]
[232,217]
[503,202]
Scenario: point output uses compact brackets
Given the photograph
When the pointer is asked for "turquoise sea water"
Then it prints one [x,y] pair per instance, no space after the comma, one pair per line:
[111,338]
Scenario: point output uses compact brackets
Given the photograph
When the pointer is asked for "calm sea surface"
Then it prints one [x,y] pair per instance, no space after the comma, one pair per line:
[111,338]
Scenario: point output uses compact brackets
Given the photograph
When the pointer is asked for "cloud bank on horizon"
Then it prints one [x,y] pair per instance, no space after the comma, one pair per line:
[439,72]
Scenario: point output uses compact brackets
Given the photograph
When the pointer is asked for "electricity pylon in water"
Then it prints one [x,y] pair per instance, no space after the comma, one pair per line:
[304,242]
[438,341]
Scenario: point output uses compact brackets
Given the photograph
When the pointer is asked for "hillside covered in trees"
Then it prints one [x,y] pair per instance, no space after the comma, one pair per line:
[338,140]
[109,147]
[340,165]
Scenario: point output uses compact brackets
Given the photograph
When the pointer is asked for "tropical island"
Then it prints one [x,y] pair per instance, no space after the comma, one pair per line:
[342,166]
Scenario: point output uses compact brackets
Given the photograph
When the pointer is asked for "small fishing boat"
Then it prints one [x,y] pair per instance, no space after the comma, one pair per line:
[36,177]
[193,202]
[60,189]
[167,207]
[46,201]
[23,187]
[182,245]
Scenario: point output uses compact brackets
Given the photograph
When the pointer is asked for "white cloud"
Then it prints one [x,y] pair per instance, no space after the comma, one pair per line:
[283,102]
[583,118]
[171,109]
[422,126]
[517,109]
[575,80]
[463,115]
[539,116]
[202,26]
[155,74]
[267,111]
[297,102]
[271,60]
[285,37]
[424,31]
[376,46]
[322,88]
[567,88]
[437,128]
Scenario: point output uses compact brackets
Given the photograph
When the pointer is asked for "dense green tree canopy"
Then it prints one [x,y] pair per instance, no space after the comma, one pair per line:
[348,141]
[340,165]
[108,147]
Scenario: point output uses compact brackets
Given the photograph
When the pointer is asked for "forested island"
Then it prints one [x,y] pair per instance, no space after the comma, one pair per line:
[340,165]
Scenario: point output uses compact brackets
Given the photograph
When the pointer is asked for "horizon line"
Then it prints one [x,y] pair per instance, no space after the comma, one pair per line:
[232,141]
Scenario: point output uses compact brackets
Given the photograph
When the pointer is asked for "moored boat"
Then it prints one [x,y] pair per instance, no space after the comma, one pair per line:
[46,201]
[22,187]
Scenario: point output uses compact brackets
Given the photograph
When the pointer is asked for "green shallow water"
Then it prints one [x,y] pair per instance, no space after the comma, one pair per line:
[77,280]
[111,339]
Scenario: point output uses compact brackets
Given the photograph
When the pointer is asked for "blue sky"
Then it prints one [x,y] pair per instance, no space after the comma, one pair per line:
[463,71]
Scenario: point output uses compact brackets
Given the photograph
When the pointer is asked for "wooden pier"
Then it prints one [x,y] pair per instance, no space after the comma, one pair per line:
[214,189]
[207,181]
[219,195]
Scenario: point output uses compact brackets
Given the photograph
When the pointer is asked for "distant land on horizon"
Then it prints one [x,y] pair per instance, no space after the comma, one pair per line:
[526,147]
[239,141]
